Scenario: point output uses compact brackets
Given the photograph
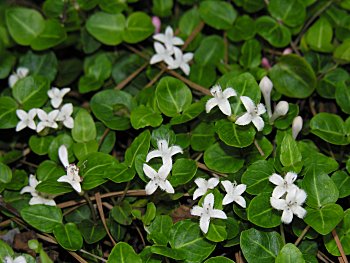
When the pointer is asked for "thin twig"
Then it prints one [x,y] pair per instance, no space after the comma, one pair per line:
[205,168]
[259,148]
[339,245]
[29,164]
[92,255]
[104,135]
[142,239]
[91,206]
[325,257]
[282,234]
[302,235]
[122,84]
[156,77]
[102,215]
[193,35]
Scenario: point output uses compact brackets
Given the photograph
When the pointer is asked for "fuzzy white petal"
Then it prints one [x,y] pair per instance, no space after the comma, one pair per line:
[287,216]
[149,171]
[279,204]
[276,179]
[241,201]
[20,126]
[208,200]
[216,213]
[299,211]
[12,80]
[225,107]
[211,103]
[204,223]
[245,119]
[213,182]
[290,177]
[248,103]
[229,92]
[228,186]
[151,187]
[199,192]
[278,191]
[63,155]
[153,154]
[69,123]
[21,114]
[197,211]
[258,123]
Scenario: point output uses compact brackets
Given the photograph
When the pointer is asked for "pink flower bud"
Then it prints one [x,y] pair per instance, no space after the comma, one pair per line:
[157,23]
[265,63]
[287,51]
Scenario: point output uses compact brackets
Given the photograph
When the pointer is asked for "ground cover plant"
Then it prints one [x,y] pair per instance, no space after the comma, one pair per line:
[174,131]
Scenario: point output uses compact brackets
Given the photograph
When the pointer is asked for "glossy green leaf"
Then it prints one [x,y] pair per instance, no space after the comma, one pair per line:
[42,217]
[162,7]
[138,27]
[188,114]
[218,259]
[342,180]
[68,236]
[159,229]
[217,231]
[52,35]
[290,12]
[219,15]
[342,96]
[290,254]
[168,252]
[276,34]
[84,129]
[251,54]
[6,174]
[210,51]
[183,171]
[81,149]
[92,232]
[342,52]
[144,116]
[122,213]
[319,36]
[8,117]
[202,136]
[49,169]
[40,144]
[243,29]
[123,252]
[140,145]
[235,135]
[290,155]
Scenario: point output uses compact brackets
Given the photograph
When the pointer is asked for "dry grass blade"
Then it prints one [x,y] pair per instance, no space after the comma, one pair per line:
[339,245]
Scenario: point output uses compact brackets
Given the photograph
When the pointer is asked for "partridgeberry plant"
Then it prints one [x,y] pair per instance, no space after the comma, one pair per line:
[174,131]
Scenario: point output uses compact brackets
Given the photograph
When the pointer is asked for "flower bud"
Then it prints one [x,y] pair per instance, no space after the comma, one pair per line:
[281,109]
[297,126]
[287,51]
[265,63]
[266,87]
[157,23]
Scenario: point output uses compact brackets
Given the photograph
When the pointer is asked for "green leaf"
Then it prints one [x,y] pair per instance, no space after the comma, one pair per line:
[24,24]
[6,174]
[256,177]
[243,29]
[173,96]
[122,213]
[293,77]
[343,232]
[342,96]
[210,51]
[342,52]
[290,12]
[138,27]
[273,32]
[290,254]
[8,117]
[251,54]
[52,187]
[150,214]
[92,232]
[112,107]
[219,259]
[95,168]
[123,252]
[98,67]
[202,136]
[188,114]
[140,145]
[162,8]
[261,213]
[217,231]
[260,247]
[183,171]
[319,36]
[5,249]
[187,238]
[159,230]
[222,158]
[81,149]
[122,173]
[325,219]
[290,155]
[6,64]
[188,21]
[84,129]
[235,135]
[42,217]
[219,15]
[31,92]
[342,180]
[68,236]
[327,86]
[320,189]
[329,127]
[49,169]
[144,116]
[106,28]
[39,144]
[52,35]
[203,75]
[57,142]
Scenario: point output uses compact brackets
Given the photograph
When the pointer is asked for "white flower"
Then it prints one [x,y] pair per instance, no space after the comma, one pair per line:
[291,205]
[72,177]
[204,185]
[19,259]
[206,212]
[65,115]
[26,119]
[158,179]
[21,73]
[283,185]
[162,54]
[56,95]
[37,198]
[164,151]
[297,125]
[281,109]
[47,120]
[168,38]
[266,88]
[220,99]
[234,193]
[253,113]
[181,61]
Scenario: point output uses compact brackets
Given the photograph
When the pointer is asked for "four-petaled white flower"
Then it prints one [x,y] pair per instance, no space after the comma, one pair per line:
[72,177]
[234,193]
[165,152]
[253,113]
[65,115]
[204,185]
[56,95]
[21,73]
[220,99]
[206,212]
[19,259]
[47,120]
[158,179]
[26,119]
[37,198]
[181,61]
[162,54]
[168,38]
[283,185]
[292,204]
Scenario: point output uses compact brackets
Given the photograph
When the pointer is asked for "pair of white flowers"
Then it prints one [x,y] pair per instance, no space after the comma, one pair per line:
[20,73]
[19,259]
[159,178]
[287,197]
[252,113]
[48,119]
[207,211]
[168,51]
